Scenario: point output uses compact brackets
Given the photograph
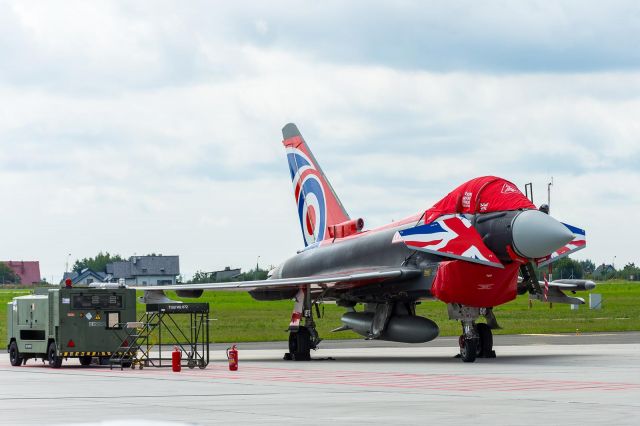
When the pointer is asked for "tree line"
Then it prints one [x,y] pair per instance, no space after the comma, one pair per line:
[587,269]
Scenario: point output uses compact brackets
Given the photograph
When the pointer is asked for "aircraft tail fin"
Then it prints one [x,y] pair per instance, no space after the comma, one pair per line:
[318,205]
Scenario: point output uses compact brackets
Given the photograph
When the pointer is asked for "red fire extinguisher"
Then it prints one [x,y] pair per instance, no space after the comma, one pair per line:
[232,356]
[176,360]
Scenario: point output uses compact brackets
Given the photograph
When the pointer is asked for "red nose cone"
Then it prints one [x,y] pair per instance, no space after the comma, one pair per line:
[71,344]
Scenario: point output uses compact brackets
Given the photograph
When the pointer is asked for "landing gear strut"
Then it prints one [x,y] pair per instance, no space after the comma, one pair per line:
[476,340]
[302,338]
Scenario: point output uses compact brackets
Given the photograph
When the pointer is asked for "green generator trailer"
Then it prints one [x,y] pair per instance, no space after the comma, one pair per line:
[60,323]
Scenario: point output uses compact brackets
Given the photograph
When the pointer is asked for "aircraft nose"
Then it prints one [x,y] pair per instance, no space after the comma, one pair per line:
[536,234]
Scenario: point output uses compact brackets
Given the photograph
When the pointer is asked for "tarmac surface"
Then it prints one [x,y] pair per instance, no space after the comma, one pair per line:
[549,379]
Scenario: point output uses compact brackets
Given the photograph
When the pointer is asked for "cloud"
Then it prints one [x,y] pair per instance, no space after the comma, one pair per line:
[110,47]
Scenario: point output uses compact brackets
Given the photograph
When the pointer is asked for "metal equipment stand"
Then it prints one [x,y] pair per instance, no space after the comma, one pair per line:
[166,324]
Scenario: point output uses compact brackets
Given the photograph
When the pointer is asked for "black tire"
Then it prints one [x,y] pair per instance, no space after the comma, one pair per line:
[52,355]
[201,364]
[468,349]
[85,360]
[14,355]
[485,347]
[300,344]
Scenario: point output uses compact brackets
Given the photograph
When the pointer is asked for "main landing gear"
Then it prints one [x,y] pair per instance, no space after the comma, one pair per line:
[302,338]
[476,340]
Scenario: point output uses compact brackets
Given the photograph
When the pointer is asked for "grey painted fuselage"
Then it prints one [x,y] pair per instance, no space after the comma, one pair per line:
[372,249]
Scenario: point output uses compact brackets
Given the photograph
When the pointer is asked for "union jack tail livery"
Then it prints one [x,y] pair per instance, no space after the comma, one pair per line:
[317,203]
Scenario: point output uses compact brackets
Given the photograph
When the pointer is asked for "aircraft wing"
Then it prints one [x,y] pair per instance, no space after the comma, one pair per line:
[349,279]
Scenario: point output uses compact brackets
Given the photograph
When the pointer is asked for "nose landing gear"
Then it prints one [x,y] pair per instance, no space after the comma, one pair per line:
[476,340]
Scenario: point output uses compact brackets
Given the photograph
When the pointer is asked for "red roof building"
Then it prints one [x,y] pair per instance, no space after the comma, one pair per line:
[29,272]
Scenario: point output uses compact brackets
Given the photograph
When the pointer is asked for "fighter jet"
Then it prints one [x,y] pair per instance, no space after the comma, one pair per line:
[475,249]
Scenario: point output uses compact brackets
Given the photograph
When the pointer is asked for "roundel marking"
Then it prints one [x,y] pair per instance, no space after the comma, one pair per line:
[311,219]
[310,196]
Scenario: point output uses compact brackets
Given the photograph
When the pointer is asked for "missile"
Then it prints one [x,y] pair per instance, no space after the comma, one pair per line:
[574,284]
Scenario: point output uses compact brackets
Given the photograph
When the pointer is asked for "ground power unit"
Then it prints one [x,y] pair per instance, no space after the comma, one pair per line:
[61,323]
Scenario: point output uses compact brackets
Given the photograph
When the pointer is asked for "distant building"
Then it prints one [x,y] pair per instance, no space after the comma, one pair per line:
[85,277]
[226,274]
[28,271]
[604,271]
[146,270]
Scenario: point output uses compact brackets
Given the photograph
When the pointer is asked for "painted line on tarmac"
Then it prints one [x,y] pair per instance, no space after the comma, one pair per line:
[355,378]
[368,379]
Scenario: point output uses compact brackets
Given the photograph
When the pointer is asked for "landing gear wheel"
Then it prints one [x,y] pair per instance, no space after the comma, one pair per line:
[468,349]
[201,364]
[485,348]
[85,360]
[300,345]
[52,355]
[14,355]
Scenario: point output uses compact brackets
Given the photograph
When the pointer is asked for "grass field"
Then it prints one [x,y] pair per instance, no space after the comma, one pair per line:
[241,319]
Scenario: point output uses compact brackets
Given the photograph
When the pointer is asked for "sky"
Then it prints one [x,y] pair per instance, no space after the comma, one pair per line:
[155,126]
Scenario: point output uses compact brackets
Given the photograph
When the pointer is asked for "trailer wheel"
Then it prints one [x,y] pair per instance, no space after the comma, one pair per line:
[85,360]
[52,355]
[14,355]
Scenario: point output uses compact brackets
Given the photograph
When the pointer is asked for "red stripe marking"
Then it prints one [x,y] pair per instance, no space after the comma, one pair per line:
[367,379]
